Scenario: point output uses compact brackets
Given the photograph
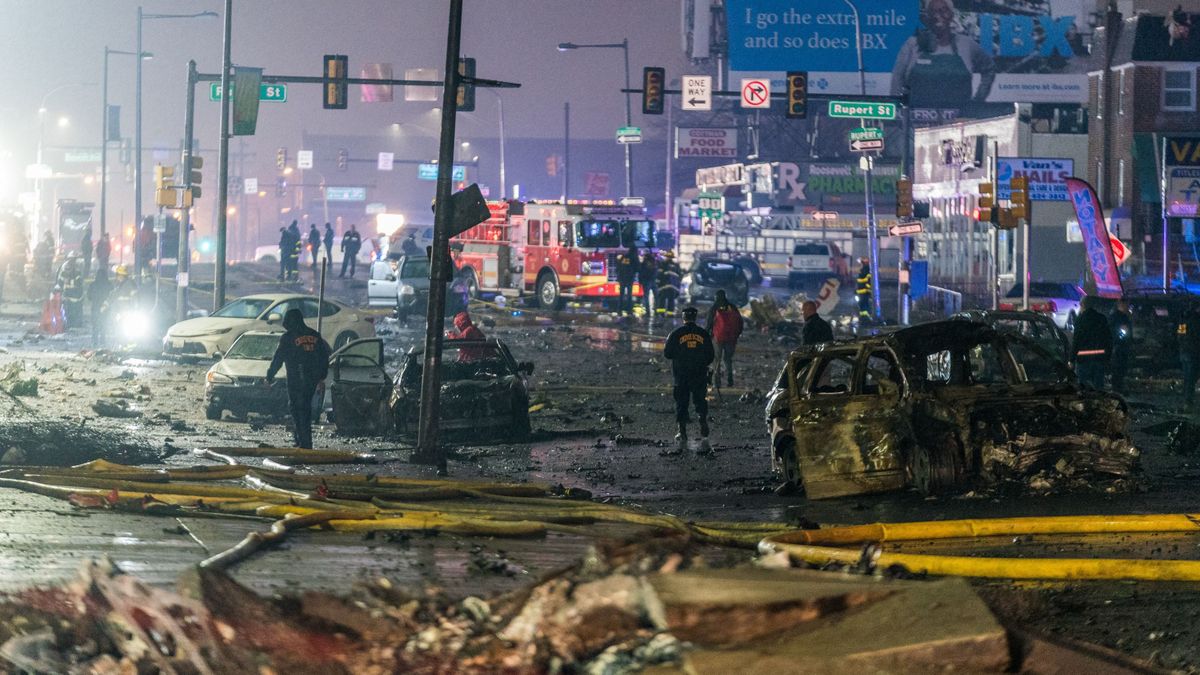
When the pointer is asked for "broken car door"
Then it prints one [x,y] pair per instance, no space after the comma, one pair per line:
[359,388]
[825,445]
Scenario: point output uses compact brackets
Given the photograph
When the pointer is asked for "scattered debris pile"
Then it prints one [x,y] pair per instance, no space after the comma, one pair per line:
[59,442]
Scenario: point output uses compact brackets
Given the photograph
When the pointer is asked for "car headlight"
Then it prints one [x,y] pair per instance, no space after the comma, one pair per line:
[218,331]
[218,378]
[407,289]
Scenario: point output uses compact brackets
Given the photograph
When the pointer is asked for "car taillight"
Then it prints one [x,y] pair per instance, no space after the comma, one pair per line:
[1039,307]
[1007,306]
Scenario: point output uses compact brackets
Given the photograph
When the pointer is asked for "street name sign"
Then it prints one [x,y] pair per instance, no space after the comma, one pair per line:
[697,92]
[906,229]
[629,135]
[867,134]
[266,92]
[862,110]
[346,194]
[756,92]
[304,159]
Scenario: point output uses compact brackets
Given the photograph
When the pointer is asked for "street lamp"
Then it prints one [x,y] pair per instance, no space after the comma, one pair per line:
[623,45]
[503,177]
[137,124]
[104,137]
[41,174]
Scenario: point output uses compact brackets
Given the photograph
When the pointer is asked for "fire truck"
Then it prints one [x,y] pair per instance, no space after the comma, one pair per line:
[553,251]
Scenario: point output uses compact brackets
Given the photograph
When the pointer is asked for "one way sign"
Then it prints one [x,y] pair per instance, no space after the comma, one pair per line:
[697,92]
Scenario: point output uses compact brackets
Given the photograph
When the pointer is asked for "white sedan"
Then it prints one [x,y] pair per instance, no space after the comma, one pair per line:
[211,336]
[1057,299]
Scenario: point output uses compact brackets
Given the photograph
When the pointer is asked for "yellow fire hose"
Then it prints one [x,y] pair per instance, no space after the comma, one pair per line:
[824,546]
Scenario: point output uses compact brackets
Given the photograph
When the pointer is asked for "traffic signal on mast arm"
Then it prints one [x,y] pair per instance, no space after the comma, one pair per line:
[343,158]
[1019,197]
[466,90]
[281,159]
[904,198]
[797,94]
[335,85]
[653,98]
[985,209]
[164,189]
[192,167]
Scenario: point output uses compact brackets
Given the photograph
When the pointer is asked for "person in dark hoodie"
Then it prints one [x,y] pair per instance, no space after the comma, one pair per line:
[689,348]
[306,355]
[1092,346]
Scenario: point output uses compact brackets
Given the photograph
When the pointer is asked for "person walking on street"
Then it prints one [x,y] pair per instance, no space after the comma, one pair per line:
[85,250]
[351,243]
[1092,346]
[1187,337]
[296,240]
[816,330]
[669,276]
[689,348]
[1121,322]
[725,324]
[103,250]
[328,241]
[627,269]
[314,244]
[283,249]
[97,295]
[648,277]
[306,355]
[409,245]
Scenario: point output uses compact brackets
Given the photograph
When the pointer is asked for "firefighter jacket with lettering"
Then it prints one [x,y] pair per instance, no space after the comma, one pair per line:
[690,350]
[306,355]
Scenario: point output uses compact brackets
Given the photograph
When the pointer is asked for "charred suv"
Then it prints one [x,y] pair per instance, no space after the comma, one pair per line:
[484,389]
[940,407]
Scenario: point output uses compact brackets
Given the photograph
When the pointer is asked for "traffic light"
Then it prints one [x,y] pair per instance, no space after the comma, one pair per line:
[1019,197]
[466,90]
[335,85]
[164,189]
[904,198]
[986,205]
[797,94]
[343,158]
[281,158]
[192,168]
[652,90]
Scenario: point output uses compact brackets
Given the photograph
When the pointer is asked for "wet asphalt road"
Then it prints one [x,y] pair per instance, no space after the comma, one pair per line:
[606,426]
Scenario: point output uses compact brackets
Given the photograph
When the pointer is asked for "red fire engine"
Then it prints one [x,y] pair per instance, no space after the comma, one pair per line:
[555,251]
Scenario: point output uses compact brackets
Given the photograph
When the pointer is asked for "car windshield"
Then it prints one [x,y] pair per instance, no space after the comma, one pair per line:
[414,268]
[598,234]
[638,233]
[1045,289]
[463,362]
[246,308]
[254,347]
[1040,333]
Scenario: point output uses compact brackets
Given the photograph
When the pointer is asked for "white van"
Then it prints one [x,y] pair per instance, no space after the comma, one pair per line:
[810,260]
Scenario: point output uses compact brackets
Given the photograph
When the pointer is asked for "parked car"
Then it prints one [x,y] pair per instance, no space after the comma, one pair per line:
[1037,327]
[212,335]
[940,407]
[706,276]
[1153,344]
[484,390]
[399,281]
[1058,300]
[237,382]
[812,261]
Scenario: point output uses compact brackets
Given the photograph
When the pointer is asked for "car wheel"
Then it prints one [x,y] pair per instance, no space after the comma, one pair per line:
[548,293]
[521,426]
[790,464]
[212,411]
[344,338]
[935,467]
[472,285]
[751,270]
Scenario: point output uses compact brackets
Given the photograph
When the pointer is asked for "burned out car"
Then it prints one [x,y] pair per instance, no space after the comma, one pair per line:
[942,406]
[484,390]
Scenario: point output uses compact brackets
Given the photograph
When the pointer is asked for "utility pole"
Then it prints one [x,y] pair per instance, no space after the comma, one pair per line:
[137,153]
[566,172]
[185,217]
[429,448]
[867,164]
[223,162]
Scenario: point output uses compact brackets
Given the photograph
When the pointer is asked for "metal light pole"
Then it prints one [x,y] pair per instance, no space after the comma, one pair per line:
[503,175]
[868,164]
[137,107]
[184,261]
[37,183]
[223,162]
[623,45]
[104,138]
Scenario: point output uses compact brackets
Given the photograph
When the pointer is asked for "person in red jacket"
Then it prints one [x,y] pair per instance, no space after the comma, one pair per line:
[464,329]
[725,324]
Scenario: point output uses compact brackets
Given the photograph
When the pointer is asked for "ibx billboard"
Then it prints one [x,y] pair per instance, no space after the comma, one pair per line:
[953,57]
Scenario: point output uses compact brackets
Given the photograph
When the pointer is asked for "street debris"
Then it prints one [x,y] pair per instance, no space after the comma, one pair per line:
[118,409]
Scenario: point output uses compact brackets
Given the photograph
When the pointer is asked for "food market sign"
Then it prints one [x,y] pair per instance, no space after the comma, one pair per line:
[706,142]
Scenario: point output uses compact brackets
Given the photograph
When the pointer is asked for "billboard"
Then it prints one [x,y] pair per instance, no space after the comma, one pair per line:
[1183,177]
[953,57]
[1047,176]
[706,142]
